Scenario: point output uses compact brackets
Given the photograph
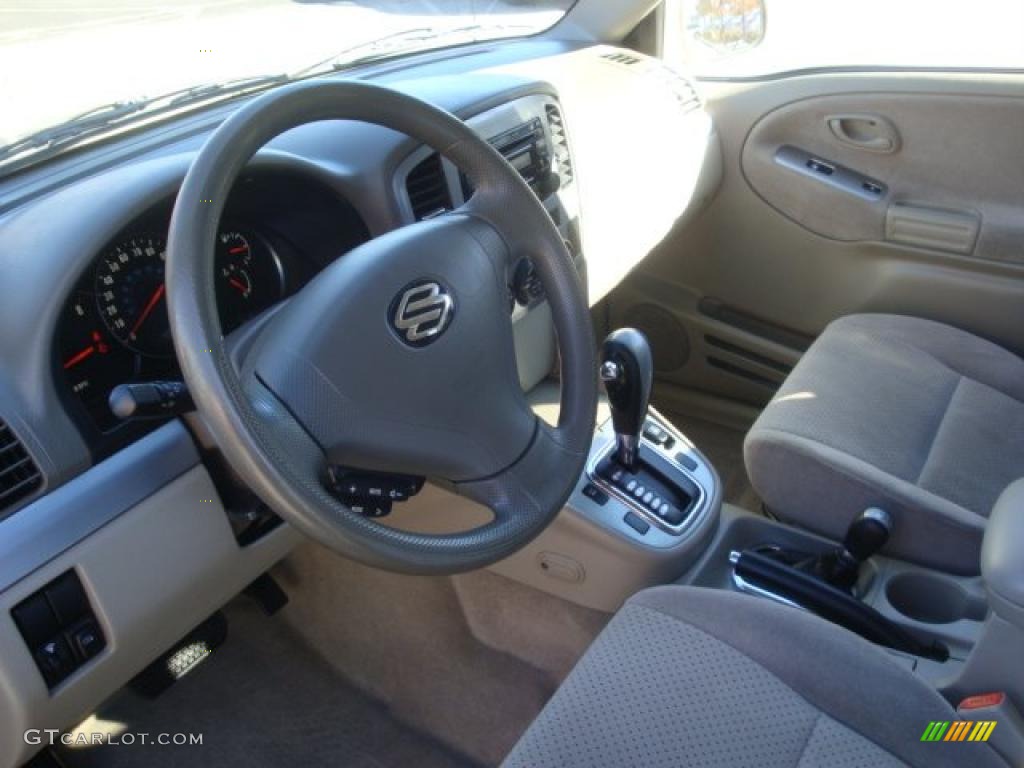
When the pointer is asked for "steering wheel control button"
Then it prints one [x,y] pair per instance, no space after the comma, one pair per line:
[421,312]
[637,523]
[370,508]
[372,493]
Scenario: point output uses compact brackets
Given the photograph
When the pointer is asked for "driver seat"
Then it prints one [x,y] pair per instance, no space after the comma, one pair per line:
[686,676]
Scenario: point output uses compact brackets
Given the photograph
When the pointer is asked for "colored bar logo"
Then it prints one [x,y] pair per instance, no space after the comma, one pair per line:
[960,730]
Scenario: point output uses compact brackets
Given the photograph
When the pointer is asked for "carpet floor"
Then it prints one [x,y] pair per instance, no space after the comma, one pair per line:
[264,698]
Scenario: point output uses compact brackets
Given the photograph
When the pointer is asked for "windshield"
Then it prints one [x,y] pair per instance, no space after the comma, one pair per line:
[61,59]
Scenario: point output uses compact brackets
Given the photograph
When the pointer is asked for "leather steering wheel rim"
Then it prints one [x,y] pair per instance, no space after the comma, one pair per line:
[447,410]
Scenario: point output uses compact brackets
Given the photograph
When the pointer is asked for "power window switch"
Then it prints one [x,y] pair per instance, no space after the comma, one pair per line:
[55,660]
[87,639]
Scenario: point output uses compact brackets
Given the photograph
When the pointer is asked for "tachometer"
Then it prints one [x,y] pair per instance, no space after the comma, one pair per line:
[130,294]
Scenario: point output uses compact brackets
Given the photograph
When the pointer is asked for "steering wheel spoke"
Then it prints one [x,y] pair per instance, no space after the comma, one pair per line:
[531,491]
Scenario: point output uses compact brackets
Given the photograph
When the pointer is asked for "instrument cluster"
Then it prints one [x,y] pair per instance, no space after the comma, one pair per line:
[115,327]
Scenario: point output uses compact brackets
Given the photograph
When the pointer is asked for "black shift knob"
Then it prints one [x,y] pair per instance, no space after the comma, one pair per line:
[627,370]
[868,534]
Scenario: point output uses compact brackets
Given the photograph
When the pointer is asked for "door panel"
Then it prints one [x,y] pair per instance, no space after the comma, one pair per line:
[964,154]
[785,248]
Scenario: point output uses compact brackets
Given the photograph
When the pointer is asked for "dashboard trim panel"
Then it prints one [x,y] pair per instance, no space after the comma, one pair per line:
[57,521]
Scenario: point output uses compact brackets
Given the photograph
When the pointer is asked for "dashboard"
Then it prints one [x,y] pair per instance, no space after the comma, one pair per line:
[617,146]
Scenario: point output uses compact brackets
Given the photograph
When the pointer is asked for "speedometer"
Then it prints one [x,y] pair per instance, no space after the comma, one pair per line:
[130,294]
[130,287]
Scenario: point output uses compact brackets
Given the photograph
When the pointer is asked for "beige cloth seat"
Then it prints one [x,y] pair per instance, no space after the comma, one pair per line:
[916,417]
[697,677]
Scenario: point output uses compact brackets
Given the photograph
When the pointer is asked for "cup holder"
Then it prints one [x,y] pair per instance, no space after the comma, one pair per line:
[932,599]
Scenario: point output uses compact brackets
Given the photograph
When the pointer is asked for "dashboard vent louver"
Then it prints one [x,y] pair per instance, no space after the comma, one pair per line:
[427,187]
[684,91]
[655,69]
[621,58]
[561,142]
[19,475]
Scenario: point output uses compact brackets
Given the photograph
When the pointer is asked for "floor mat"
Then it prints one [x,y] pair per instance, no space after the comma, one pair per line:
[406,641]
[263,699]
[724,448]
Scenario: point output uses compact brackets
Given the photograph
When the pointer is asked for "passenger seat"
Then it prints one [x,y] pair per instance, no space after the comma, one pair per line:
[919,418]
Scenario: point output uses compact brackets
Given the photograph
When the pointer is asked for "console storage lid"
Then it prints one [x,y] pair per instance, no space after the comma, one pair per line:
[1001,564]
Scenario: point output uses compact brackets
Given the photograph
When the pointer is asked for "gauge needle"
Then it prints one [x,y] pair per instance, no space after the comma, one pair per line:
[148,309]
[76,359]
[238,249]
[242,287]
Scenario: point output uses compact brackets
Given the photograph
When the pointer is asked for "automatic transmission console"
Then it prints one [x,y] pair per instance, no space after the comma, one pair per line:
[642,470]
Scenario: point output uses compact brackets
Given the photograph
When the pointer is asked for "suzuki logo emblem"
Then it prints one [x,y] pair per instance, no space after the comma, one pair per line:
[421,312]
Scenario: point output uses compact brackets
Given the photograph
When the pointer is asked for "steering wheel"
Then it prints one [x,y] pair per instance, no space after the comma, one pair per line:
[398,356]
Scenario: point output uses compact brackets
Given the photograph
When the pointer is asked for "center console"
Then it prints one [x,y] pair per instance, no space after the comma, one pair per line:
[648,510]
[646,506]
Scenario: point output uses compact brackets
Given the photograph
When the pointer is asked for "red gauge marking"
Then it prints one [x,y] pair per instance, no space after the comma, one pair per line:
[238,249]
[76,359]
[148,309]
[235,282]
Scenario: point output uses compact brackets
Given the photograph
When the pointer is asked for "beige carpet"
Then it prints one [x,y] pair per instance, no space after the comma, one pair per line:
[470,660]
[265,698]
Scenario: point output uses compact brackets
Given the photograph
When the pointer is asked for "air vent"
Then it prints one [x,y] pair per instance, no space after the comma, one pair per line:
[682,89]
[427,187]
[655,69]
[561,143]
[622,58]
[19,475]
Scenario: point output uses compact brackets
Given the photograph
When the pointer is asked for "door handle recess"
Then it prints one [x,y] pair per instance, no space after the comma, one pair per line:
[873,133]
[939,229]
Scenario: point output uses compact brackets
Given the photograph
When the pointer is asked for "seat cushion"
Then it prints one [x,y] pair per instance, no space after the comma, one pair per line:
[697,677]
[916,417]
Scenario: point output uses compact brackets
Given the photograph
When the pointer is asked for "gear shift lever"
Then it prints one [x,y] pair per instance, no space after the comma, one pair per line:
[627,370]
[864,538]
